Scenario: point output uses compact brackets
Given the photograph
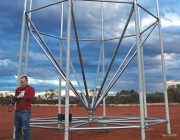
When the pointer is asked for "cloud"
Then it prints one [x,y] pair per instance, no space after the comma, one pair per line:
[37,56]
[43,82]
[5,63]
[171,19]
[171,82]
[7,66]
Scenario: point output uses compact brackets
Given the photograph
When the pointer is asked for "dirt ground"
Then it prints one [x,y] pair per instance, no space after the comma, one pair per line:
[152,133]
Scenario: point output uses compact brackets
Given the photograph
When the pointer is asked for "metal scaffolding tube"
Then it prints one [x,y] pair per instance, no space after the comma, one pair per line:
[105,128]
[147,11]
[53,61]
[96,80]
[66,127]
[73,39]
[84,123]
[142,64]
[115,38]
[163,70]
[21,51]
[60,62]
[80,58]
[27,43]
[105,92]
[46,48]
[155,23]
[59,70]
[101,119]
[111,84]
[36,9]
[126,36]
[141,122]
[103,64]
[143,79]
[131,58]
[111,1]
[118,123]
[153,124]
[81,39]
[140,79]
[21,44]
[114,55]
[74,72]
[47,127]
[70,61]
[37,123]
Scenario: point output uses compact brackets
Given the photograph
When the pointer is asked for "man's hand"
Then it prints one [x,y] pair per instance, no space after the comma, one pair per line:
[20,96]
[14,98]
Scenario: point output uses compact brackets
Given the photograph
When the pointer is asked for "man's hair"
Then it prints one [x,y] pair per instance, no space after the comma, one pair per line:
[24,77]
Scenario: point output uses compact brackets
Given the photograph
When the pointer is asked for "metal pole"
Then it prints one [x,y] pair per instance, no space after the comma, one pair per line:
[163,71]
[60,78]
[140,79]
[21,44]
[118,72]
[20,53]
[66,129]
[143,76]
[113,57]
[103,67]
[27,42]
[80,60]
[144,86]
[95,83]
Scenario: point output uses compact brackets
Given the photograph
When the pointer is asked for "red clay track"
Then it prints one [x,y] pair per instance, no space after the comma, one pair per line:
[154,133]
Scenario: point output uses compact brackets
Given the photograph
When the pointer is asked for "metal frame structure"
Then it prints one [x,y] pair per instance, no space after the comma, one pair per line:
[102,122]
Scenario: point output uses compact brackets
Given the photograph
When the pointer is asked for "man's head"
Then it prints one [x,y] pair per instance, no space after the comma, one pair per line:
[24,81]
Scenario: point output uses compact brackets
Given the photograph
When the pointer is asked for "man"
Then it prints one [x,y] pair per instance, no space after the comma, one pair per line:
[23,97]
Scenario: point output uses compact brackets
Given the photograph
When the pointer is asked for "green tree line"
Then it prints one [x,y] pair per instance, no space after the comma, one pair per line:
[122,97]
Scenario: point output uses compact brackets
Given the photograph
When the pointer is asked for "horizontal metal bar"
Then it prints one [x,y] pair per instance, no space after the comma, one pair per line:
[44,120]
[36,9]
[152,124]
[119,124]
[47,127]
[115,38]
[79,124]
[97,128]
[111,1]
[44,123]
[73,39]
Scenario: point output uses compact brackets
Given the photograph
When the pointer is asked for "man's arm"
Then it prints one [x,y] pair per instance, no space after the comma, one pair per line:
[29,94]
[15,98]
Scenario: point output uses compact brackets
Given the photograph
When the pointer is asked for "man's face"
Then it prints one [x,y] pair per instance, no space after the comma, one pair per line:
[24,82]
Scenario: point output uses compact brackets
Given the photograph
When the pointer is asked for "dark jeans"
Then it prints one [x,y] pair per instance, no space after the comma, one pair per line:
[22,120]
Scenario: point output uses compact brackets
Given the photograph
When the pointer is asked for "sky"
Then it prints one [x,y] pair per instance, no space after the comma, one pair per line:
[88,18]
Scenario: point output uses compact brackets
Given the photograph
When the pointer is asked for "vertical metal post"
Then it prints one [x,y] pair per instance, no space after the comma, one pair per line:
[143,75]
[21,52]
[21,44]
[163,71]
[27,42]
[144,87]
[103,67]
[60,78]
[66,131]
[140,79]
